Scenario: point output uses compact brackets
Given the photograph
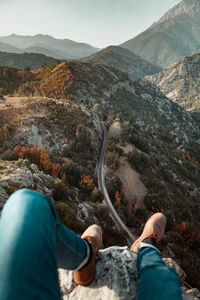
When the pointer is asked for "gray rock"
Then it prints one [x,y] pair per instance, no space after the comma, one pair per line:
[3,197]
[4,184]
[116,278]
[34,168]
[85,212]
[171,263]
[195,293]
[19,176]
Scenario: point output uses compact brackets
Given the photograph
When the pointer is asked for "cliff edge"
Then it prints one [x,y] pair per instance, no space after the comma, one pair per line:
[116,278]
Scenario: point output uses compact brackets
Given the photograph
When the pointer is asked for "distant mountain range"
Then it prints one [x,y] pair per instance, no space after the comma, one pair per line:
[181,82]
[47,45]
[123,60]
[32,60]
[175,35]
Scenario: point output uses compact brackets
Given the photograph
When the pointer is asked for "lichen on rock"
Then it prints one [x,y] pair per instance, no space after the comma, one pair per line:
[116,278]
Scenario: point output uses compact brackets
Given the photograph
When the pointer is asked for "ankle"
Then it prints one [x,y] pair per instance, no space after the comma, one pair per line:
[88,256]
[150,241]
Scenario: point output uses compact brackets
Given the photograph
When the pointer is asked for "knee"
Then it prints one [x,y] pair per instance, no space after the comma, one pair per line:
[26,199]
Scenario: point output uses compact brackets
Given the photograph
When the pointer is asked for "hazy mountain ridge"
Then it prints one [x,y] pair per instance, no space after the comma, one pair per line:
[124,60]
[181,82]
[172,37]
[8,48]
[48,45]
[31,60]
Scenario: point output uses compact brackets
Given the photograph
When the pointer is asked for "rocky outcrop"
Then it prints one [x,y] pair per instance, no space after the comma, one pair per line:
[176,34]
[180,82]
[21,174]
[116,278]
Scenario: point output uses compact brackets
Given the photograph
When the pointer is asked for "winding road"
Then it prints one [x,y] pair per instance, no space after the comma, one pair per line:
[103,189]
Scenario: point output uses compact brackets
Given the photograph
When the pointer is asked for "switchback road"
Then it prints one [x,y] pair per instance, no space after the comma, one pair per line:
[103,189]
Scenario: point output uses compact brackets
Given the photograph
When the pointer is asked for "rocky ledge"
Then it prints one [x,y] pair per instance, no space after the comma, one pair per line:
[19,174]
[116,278]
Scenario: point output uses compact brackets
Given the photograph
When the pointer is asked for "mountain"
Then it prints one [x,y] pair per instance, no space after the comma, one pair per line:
[31,60]
[181,82]
[150,136]
[41,50]
[48,45]
[108,87]
[175,35]
[123,60]
[8,48]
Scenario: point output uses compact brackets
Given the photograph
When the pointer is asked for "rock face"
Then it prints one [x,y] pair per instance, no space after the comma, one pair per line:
[116,278]
[20,174]
[180,82]
[175,35]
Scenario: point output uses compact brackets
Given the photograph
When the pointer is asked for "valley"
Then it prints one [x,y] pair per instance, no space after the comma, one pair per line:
[111,135]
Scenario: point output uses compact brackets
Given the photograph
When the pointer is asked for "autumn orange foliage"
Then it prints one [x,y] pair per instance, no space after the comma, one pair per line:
[117,198]
[190,237]
[40,156]
[180,228]
[190,159]
[86,180]
[17,149]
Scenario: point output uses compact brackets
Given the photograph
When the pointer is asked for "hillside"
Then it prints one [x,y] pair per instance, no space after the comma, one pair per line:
[21,61]
[181,82]
[8,48]
[12,78]
[124,60]
[109,87]
[48,45]
[147,132]
[53,147]
[175,35]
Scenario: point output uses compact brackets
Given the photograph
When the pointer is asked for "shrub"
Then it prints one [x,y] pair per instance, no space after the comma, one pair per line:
[72,172]
[67,216]
[139,161]
[86,183]
[112,160]
[8,155]
[116,149]
[41,157]
[60,191]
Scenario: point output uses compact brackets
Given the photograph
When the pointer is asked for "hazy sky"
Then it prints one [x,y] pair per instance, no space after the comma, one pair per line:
[97,22]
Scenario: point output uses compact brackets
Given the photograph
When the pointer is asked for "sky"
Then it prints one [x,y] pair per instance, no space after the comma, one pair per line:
[98,22]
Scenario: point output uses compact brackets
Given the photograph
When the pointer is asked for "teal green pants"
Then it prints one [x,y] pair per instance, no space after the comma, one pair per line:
[34,243]
[157,281]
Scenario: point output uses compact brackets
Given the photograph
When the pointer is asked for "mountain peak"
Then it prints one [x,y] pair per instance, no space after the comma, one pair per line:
[175,35]
[189,7]
[124,60]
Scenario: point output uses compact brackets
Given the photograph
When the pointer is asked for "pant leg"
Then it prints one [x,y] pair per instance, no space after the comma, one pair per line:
[157,280]
[29,228]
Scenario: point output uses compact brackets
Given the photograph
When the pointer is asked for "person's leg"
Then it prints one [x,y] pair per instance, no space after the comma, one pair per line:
[157,281]
[30,237]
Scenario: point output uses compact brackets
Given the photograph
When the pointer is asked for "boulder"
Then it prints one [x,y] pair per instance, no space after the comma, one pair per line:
[116,278]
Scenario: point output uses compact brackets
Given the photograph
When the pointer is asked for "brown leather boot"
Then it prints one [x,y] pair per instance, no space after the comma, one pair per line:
[154,228]
[93,235]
